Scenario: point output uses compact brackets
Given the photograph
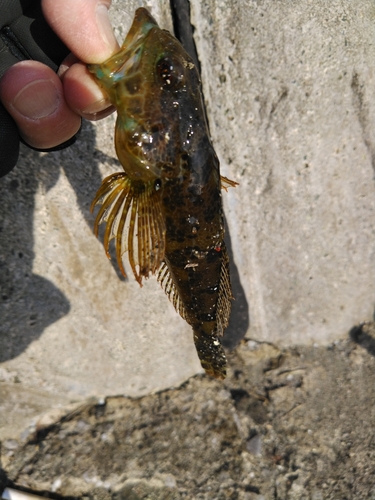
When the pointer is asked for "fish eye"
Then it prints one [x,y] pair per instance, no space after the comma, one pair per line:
[170,72]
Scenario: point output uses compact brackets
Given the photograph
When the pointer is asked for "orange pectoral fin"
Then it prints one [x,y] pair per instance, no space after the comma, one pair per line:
[227,183]
[133,217]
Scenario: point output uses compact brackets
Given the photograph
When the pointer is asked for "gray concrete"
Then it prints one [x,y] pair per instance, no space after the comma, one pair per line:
[290,90]
[290,99]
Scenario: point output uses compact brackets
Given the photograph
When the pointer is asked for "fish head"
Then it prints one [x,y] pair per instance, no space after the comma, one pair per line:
[155,87]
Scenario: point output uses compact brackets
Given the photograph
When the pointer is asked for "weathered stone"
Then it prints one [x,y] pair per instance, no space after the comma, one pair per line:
[139,489]
[196,441]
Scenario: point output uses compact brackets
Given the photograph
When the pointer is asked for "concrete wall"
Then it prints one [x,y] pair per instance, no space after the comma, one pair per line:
[291,102]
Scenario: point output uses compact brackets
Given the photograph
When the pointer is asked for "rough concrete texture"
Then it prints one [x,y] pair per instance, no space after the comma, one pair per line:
[291,424]
[290,91]
[290,97]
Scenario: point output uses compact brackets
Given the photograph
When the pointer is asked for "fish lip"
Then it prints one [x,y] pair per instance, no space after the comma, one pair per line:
[125,60]
[122,63]
[131,50]
[142,24]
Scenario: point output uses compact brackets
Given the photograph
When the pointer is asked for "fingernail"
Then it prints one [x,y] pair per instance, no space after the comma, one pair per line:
[98,110]
[36,100]
[105,27]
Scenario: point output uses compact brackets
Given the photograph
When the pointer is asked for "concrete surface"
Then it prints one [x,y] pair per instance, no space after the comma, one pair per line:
[290,91]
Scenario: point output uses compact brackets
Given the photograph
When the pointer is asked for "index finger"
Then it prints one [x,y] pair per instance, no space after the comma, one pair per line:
[84,27]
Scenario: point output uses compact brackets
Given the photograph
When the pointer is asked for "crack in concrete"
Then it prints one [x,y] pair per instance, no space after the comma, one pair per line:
[362,114]
[183,29]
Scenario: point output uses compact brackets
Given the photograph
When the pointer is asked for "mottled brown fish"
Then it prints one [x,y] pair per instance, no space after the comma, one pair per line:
[165,209]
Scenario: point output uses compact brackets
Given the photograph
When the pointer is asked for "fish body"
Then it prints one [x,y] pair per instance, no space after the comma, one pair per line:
[165,209]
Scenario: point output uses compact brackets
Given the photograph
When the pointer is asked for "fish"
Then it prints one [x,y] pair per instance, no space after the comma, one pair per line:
[165,208]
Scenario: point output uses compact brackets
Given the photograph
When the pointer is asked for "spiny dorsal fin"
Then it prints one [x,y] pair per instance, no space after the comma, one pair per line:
[225,295]
[132,211]
[227,183]
[166,281]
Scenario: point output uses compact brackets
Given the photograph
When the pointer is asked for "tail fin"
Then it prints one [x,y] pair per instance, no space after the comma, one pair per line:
[211,354]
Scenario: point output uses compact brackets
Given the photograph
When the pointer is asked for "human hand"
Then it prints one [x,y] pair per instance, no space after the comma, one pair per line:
[45,108]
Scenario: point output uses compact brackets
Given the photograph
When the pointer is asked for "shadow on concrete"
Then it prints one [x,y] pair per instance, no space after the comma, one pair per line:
[365,339]
[29,303]
[239,321]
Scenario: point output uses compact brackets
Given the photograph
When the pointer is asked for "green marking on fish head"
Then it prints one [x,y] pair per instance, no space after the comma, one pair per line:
[127,59]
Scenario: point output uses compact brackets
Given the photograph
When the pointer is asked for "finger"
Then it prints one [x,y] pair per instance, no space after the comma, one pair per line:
[33,95]
[84,26]
[83,95]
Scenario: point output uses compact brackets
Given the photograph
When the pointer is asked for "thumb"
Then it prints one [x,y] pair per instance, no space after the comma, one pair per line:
[84,26]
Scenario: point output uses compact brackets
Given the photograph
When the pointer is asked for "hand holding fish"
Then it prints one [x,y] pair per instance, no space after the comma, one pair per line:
[165,208]
[47,107]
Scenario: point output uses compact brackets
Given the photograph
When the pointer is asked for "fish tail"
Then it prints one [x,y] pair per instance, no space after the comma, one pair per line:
[211,354]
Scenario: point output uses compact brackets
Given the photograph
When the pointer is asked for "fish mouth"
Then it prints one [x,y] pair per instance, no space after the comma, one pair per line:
[127,59]
[142,24]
